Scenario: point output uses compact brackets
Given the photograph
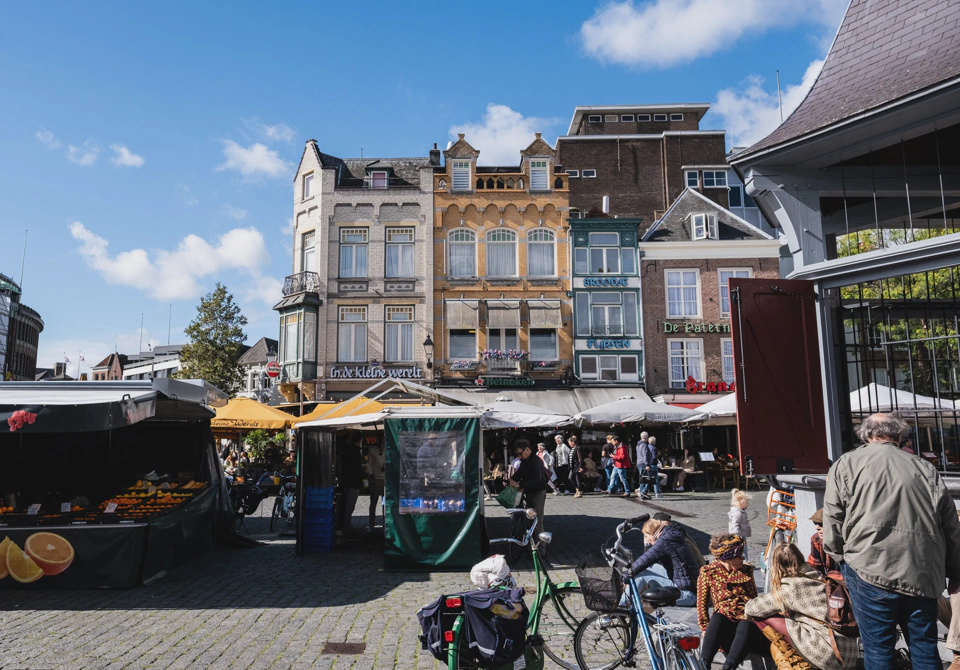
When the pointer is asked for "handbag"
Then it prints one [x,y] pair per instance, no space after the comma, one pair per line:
[509,497]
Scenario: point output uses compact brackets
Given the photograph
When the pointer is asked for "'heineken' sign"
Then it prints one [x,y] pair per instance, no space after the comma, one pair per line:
[505,381]
[692,327]
[374,372]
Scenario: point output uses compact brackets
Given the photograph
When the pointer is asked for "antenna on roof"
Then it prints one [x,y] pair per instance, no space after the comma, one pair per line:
[779,99]
[361,152]
[169,321]
[23,260]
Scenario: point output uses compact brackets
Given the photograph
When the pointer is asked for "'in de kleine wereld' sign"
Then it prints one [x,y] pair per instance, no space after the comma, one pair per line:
[605,282]
[693,386]
[691,327]
[374,372]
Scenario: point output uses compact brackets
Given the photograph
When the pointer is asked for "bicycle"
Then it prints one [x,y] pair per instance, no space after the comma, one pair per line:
[610,636]
[557,610]
[285,505]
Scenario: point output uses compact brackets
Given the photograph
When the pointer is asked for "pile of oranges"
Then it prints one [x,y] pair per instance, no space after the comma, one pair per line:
[7,510]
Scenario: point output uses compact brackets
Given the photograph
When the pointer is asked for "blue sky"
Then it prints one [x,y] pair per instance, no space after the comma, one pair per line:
[150,148]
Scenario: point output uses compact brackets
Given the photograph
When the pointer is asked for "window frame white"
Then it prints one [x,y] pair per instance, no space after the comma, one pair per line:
[450,242]
[385,175]
[666,294]
[727,343]
[573,174]
[539,175]
[312,249]
[721,285]
[660,118]
[627,118]
[685,356]
[459,168]
[307,186]
[394,328]
[715,182]
[354,246]
[644,118]
[353,326]
[676,117]
[595,118]
[611,118]
[696,178]
[552,242]
[476,347]
[556,345]
[592,175]
[598,362]
[609,251]
[516,256]
[703,226]
[400,245]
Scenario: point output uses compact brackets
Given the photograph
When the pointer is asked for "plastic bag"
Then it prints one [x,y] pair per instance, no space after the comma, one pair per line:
[492,571]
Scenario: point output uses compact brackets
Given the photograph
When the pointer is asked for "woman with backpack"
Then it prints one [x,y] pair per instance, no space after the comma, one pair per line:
[793,613]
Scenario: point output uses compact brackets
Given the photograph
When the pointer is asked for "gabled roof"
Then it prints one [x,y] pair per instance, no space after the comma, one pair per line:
[460,149]
[401,171]
[258,352]
[884,51]
[108,361]
[538,148]
[674,225]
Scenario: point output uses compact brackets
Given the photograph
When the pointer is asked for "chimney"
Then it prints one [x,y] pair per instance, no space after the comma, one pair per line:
[59,369]
[606,204]
[435,155]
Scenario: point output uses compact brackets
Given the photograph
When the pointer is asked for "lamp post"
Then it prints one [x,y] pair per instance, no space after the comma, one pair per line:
[428,350]
[265,381]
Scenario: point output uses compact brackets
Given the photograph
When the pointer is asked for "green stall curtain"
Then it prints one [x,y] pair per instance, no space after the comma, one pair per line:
[432,494]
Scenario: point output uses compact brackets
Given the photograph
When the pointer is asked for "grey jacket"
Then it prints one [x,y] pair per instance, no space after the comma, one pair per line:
[738,523]
[888,515]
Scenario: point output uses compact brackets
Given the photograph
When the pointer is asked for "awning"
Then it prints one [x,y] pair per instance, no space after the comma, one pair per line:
[569,401]
[247,414]
[352,407]
[544,314]
[879,398]
[503,314]
[463,314]
[632,409]
[719,412]
[490,418]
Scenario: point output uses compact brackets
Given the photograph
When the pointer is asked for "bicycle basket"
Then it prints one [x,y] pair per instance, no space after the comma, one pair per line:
[599,583]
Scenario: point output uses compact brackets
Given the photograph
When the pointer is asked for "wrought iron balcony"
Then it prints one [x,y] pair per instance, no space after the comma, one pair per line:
[503,366]
[606,331]
[302,282]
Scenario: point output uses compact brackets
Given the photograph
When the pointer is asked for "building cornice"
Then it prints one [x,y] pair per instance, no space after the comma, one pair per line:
[710,250]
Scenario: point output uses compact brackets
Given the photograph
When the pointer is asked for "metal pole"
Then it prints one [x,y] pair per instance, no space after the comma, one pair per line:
[169,322]
[23,260]
[779,99]
[140,345]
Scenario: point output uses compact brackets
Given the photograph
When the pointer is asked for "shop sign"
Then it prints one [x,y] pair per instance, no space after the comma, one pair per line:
[608,344]
[605,282]
[693,386]
[692,327]
[374,372]
[505,381]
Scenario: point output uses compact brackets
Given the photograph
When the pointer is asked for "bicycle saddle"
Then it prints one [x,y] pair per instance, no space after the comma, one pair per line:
[661,596]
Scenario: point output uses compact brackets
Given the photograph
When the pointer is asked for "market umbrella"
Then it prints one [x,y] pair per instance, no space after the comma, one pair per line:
[506,413]
[352,407]
[879,398]
[630,409]
[247,414]
[719,412]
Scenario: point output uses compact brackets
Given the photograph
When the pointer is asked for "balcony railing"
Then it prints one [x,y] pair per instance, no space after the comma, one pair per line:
[505,181]
[302,282]
[503,366]
[606,331]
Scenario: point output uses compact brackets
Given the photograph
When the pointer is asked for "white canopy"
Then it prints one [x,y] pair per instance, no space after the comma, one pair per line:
[719,412]
[493,415]
[630,409]
[879,398]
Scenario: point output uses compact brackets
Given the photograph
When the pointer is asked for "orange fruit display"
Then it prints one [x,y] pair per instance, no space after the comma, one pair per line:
[3,557]
[51,552]
[21,567]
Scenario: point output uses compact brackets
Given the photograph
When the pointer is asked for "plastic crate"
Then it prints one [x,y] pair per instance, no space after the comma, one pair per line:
[318,548]
[312,526]
[318,514]
[318,495]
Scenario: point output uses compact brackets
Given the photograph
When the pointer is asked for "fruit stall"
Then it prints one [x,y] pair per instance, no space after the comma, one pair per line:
[106,484]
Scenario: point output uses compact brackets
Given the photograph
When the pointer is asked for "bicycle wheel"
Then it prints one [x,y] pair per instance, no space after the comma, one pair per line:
[277,512]
[560,616]
[602,640]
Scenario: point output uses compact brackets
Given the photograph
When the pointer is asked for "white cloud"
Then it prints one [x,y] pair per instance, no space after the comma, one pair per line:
[281,132]
[257,159]
[186,195]
[502,134]
[662,33]
[85,155]
[752,113]
[52,350]
[47,139]
[125,157]
[265,289]
[175,275]
[237,213]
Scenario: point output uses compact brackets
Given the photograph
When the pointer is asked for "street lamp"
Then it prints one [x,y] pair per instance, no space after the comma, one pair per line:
[428,350]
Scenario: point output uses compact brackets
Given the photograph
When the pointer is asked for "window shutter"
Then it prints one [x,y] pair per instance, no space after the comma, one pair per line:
[463,314]
[545,314]
[503,314]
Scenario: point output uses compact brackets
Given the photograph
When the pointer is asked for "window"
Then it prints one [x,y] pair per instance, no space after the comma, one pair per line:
[290,330]
[704,226]
[626,117]
[538,176]
[604,253]
[378,179]
[583,314]
[643,117]
[309,254]
[399,252]
[606,314]
[610,118]
[683,294]
[726,354]
[463,344]
[353,252]
[588,367]
[543,344]
[676,117]
[501,253]
[307,186]
[628,261]
[442,185]
[594,118]
[588,174]
[461,175]
[609,368]
[692,178]
[725,277]
[736,196]
[659,117]
[462,253]
[541,245]
[398,335]
[573,173]
[686,360]
[714,178]
[502,339]
[353,334]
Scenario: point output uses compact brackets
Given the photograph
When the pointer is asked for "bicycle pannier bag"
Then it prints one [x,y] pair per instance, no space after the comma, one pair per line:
[496,627]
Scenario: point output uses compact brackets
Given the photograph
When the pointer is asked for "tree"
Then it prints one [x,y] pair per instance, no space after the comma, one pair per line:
[216,341]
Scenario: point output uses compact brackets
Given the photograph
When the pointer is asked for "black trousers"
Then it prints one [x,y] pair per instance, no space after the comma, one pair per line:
[738,638]
[563,475]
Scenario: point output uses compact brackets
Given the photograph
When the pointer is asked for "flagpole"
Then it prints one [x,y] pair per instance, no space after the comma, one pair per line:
[78,364]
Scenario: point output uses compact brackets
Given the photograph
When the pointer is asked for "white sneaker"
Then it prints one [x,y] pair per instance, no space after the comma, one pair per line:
[567,493]
[679,490]
[658,496]
[556,493]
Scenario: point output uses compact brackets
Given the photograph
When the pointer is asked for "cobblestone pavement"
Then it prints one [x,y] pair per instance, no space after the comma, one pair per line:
[267,608]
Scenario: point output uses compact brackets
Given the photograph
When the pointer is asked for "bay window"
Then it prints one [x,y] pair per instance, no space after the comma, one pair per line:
[606,314]
[686,360]
[298,344]
[501,253]
[400,252]
[352,329]
[604,253]
[683,294]
[398,334]
[541,253]
[353,253]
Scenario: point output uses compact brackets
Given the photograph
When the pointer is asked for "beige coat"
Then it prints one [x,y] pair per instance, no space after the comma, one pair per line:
[806,602]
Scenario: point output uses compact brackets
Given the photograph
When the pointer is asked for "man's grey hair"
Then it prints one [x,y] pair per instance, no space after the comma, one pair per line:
[886,426]
[644,435]
[652,440]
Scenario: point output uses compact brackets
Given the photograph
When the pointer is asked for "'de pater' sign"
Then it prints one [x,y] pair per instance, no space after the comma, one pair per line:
[374,372]
[695,327]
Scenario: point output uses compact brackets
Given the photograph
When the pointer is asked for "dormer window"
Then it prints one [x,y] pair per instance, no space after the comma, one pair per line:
[704,226]
[538,176]
[461,175]
[378,179]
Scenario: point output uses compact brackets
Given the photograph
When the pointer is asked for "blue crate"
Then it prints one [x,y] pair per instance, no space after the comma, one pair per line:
[316,494]
[318,515]
[315,505]
[311,548]
[318,525]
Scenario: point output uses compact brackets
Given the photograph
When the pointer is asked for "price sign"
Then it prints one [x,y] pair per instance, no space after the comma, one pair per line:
[151,490]
[111,508]
[65,507]
[33,510]
[126,520]
[78,523]
[165,486]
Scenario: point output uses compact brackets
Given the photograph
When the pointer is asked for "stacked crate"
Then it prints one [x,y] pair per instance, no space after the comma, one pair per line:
[319,521]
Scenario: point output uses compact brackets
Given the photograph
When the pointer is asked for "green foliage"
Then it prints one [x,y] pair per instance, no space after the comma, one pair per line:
[216,337]
[257,442]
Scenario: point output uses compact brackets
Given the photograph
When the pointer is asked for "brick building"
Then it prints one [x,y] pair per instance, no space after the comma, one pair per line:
[20,329]
[110,368]
[642,157]
[502,276]
[686,258]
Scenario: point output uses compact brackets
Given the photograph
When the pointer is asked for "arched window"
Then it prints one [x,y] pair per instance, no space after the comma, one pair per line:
[541,253]
[501,253]
[462,253]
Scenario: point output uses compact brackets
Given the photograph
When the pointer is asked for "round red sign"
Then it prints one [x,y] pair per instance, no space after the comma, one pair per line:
[273,369]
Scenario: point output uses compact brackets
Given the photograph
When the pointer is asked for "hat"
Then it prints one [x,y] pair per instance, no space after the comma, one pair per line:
[817,517]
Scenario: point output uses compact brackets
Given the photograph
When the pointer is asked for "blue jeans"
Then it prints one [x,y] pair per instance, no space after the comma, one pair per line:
[878,613]
[609,471]
[618,474]
[657,574]
[655,474]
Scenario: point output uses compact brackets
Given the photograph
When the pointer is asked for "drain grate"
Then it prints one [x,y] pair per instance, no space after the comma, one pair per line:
[344,648]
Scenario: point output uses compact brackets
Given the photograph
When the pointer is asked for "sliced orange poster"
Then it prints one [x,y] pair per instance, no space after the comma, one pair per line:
[52,552]
[21,567]
[3,557]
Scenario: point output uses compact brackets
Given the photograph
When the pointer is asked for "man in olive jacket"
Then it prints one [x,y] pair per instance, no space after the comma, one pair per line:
[889,519]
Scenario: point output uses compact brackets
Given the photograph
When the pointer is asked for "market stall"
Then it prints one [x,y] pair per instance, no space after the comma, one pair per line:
[105,484]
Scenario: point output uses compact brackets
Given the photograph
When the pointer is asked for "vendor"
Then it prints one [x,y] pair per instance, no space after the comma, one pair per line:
[530,477]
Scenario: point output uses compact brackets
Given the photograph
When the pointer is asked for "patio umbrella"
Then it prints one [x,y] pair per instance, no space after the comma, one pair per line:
[506,413]
[630,409]
[879,398]
[719,412]
[246,414]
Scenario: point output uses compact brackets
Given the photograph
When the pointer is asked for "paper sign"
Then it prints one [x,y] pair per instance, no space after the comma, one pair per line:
[520,663]
[165,486]
[126,520]
[78,523]
[65,507]
[111,508]
[151,490]
[33,509]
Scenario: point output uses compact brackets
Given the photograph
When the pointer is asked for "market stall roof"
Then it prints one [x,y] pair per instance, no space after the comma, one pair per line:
[879,398]
[65,407]
[569,401]
[489,417]
[247,414]
[354,406]
[719,412]
[632,409]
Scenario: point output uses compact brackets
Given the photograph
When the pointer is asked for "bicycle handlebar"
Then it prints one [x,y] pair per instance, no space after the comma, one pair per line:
[532,515]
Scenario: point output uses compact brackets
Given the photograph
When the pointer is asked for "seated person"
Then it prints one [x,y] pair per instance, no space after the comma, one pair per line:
[818,559]
[590,473]
[689,465]
[669,560]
